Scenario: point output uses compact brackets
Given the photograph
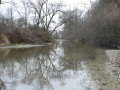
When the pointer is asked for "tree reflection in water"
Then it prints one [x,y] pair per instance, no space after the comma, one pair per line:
[29,66]
[39,66]
[56,67]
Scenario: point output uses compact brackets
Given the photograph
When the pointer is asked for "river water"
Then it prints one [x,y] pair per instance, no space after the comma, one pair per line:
[60,66]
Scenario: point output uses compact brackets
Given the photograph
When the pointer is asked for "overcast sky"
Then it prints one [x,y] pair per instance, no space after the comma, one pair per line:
[82,4]
[69,4]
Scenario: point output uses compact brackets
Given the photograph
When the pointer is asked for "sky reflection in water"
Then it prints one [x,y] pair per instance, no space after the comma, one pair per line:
[63,66]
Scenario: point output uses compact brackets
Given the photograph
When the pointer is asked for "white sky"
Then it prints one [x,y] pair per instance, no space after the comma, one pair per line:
[69,4]
[82,4]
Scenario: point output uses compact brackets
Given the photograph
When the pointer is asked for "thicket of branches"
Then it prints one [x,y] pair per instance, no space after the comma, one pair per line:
[31,22]
[99,26]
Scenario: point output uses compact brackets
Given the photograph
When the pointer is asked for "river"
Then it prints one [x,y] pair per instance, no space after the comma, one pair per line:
[64,65]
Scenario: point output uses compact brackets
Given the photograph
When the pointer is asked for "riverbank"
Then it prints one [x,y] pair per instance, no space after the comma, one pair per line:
[17,38]
[114,64]
[24,45]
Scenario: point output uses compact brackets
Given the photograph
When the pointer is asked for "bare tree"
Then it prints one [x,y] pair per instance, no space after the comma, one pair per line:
[37,21]
[45,14]
[26,14]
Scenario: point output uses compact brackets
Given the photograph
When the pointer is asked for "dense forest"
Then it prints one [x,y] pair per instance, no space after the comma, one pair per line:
[100,25]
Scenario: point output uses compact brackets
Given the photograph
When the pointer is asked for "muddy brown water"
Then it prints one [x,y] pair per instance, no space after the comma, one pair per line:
[62,66]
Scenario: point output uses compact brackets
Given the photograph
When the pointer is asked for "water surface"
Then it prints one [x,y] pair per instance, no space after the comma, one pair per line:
[62,66]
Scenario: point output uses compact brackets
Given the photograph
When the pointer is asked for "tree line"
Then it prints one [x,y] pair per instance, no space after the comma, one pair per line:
[36,22]
[100,25]
[31,22]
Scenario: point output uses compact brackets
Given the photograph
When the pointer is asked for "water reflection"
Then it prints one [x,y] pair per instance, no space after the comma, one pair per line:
[63,66]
